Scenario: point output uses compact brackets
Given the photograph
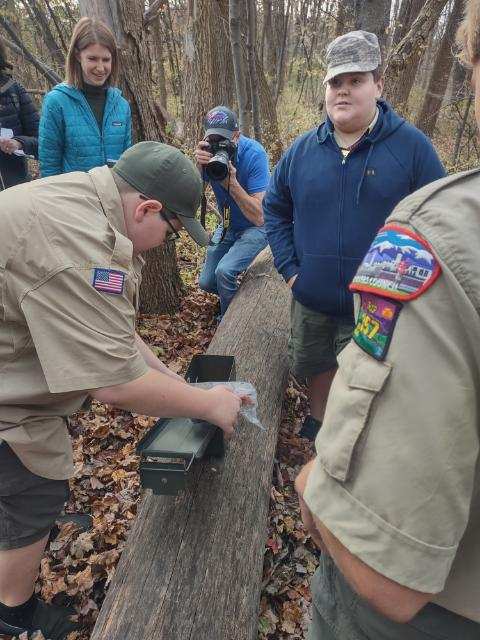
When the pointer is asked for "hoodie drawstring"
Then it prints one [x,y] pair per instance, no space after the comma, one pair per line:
[364,172]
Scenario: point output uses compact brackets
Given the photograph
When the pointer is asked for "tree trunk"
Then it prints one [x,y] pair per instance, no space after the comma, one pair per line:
[346,16]
[252,69]
[235,8]
[192,566]
[404,58]
[409,10]
[208,69]
[271,132]
[374,16]
[282,54]
[159,64]
[461,129]
[437,85]
[161,284]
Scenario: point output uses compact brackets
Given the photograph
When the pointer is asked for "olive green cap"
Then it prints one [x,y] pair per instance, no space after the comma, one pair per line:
[164,173]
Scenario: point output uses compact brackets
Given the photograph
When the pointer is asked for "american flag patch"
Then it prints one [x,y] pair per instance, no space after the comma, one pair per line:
[108,280]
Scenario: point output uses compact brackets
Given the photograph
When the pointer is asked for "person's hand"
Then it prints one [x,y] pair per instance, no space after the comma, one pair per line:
[225,406]
[231,179]
[307,516]
[291,282]
[9,145]
[202,155]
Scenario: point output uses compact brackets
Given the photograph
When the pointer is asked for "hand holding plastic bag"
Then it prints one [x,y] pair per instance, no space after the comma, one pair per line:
[244,389]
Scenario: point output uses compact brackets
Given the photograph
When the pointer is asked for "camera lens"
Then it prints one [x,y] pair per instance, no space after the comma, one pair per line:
[217,167]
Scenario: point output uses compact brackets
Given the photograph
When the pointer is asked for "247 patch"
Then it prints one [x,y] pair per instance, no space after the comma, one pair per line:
[108,280]
[399,265]
[375,324]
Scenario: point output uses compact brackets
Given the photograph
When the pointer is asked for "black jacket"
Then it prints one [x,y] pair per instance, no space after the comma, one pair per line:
[17,112]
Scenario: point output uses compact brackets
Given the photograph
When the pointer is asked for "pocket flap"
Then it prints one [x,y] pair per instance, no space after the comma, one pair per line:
[360,377]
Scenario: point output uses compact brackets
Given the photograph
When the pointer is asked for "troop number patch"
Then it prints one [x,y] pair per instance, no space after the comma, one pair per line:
[375,324]
[398,265]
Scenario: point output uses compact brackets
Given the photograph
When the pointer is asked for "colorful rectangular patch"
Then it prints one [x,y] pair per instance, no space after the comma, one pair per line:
[399,265]
[375,324]
[108,280]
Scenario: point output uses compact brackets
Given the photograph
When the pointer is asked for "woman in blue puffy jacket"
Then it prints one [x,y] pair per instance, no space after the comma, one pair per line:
[85,121]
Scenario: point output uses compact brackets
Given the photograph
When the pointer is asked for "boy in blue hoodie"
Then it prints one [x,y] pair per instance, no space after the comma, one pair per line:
[329,194]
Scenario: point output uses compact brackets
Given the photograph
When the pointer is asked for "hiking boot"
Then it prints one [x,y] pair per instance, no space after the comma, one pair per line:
[310,428]
[54,623]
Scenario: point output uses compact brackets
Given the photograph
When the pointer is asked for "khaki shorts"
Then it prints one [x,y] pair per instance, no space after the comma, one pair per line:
[315,340]
[338,613]
[29,504]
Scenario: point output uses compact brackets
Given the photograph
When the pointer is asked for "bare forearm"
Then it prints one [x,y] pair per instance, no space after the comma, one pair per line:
[157,394]
[250,205]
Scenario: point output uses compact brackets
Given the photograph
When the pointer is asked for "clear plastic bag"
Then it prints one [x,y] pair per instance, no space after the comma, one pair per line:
[248,410]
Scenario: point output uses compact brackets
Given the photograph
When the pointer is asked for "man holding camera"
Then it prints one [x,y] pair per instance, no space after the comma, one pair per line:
[237,168]
[328,196]
[71,262]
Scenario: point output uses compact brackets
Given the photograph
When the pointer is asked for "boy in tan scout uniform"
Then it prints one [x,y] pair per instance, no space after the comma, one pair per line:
[393,496]
[69,275]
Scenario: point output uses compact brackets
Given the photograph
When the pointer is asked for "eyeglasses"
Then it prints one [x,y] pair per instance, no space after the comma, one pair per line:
[166,215]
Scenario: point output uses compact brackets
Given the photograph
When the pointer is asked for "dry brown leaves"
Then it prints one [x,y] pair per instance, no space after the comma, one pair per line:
[290,556]
[78,567]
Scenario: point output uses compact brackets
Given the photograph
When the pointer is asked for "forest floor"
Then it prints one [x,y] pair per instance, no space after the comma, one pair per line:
[78,566]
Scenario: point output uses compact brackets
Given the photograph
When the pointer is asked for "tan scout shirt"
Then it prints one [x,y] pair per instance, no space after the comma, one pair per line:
[397,477]
[60,336]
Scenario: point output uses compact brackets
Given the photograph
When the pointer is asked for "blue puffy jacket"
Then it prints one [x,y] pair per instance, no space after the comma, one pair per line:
[322,210]
[69,136]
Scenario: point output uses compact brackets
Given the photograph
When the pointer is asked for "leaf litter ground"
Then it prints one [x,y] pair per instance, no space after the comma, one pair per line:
[78,566]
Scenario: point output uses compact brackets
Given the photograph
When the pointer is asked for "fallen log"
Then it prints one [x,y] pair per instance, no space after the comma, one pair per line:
[192,566]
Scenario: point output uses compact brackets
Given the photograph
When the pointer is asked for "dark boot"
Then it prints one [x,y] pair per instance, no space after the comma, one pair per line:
[54,623]
[310,428]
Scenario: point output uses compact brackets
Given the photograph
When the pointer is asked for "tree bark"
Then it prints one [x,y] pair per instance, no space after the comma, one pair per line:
[374,16]
[235,7]
[428,116]
[161,284]
[346,16]
[192,567]
[208,69]
[159,63]
[252,68]
[404,58]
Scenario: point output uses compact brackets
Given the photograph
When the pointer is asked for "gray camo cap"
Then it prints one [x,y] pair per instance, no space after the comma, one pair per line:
[357,51]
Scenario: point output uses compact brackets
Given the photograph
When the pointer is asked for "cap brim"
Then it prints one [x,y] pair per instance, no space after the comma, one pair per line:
[226,133]
[194,230]
[354,67]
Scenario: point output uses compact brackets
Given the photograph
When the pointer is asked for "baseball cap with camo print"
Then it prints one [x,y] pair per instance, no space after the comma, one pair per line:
[356,51]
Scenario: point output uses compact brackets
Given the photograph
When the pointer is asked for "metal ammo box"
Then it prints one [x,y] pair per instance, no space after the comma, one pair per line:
[171,446]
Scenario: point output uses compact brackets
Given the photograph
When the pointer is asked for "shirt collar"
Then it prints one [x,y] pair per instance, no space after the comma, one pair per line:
[109,197]
[111,203]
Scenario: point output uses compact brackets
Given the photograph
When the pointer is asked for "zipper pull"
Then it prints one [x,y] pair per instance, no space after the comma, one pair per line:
[344,159]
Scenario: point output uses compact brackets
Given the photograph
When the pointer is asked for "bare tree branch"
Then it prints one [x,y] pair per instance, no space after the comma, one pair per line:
[18,47]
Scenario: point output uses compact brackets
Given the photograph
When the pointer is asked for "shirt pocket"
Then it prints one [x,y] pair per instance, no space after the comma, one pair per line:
[359,379]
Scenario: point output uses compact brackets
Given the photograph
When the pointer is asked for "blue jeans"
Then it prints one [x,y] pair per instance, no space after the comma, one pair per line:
[226,260]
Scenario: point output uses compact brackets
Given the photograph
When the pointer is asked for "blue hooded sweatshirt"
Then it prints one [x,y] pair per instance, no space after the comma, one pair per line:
[323,210]
[69,136]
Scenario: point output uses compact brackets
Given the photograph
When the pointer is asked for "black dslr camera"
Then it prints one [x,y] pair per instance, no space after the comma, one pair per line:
[224,151]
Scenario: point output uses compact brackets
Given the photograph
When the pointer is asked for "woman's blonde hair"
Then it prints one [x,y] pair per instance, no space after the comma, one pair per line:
[468,34]
[89,31]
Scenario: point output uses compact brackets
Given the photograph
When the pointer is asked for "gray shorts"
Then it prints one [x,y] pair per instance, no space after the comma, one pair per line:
[338,613]
[315,340]
[29,504]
